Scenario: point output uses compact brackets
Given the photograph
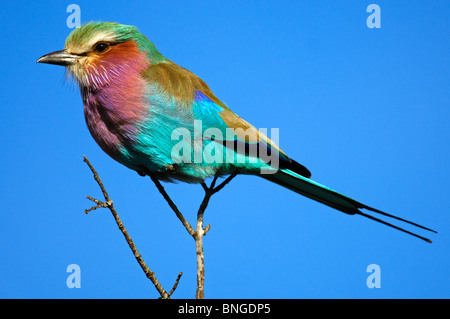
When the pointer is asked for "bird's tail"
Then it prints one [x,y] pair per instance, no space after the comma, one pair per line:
[307,187]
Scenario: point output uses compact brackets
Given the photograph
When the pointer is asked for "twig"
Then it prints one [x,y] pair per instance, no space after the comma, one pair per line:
[172,205]
[108,203]
[175,285]
[200,231]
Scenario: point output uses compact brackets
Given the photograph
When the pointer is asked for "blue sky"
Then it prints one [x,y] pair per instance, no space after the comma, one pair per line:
[366,110]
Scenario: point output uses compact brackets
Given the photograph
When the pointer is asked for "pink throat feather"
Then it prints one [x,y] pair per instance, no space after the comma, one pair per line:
[113,93]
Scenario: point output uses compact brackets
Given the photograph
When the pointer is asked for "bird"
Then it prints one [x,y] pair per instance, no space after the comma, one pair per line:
[160,119]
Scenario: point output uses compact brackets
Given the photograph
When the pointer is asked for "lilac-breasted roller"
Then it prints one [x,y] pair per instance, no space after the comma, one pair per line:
[160,119]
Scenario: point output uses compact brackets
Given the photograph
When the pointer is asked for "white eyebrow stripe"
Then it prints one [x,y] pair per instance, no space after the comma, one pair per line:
[100,36]
[86,47]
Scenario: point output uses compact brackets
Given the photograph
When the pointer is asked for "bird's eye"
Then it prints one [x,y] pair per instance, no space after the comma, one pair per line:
[101,47]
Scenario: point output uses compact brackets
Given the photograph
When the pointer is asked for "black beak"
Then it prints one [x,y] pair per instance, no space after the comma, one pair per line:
[59,58]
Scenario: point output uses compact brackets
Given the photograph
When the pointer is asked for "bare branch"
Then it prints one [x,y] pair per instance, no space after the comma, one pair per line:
[206,229]
[173,206]
[108,203]
[175,285]
[97,179]
[199,231]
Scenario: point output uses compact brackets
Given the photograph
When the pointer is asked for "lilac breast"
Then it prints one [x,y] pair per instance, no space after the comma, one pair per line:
[114,110]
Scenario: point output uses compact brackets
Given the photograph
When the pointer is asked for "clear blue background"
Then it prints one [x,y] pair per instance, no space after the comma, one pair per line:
[366,110]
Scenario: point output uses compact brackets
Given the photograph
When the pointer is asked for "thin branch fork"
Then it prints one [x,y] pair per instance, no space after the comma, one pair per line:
[108,203]
[199,232]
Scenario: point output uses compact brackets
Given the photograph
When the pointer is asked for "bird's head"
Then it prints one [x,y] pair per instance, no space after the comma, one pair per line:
[97,53]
